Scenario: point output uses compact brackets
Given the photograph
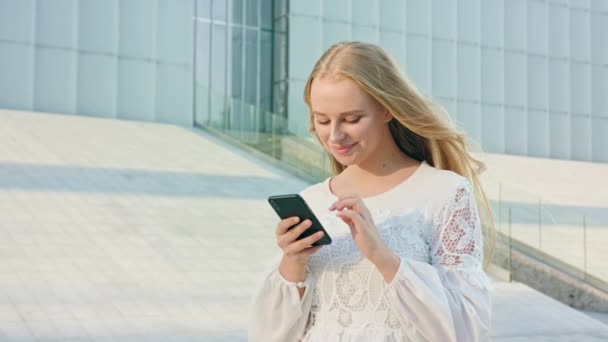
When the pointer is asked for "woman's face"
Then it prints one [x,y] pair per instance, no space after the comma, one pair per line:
[350,124]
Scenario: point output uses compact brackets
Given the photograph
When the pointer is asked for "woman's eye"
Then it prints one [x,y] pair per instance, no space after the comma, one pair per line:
[322,122]
[353,120]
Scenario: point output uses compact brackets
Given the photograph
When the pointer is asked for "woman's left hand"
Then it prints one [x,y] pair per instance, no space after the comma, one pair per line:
[355,214]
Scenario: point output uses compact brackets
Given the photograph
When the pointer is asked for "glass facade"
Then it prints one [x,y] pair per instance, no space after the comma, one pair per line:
[238,69]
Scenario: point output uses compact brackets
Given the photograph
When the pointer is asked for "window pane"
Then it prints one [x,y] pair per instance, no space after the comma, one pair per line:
[266,13]
[266,72]
[252,13]
[203,8]
[251,66]
[235,74]
[236,8]
[219,10]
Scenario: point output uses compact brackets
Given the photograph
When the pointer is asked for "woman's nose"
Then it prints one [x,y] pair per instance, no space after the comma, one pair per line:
[336,134]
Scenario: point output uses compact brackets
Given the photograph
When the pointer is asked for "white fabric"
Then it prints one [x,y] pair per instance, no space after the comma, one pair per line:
[440,292]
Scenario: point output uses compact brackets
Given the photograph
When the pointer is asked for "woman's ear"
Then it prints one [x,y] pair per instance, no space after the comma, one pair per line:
[388,116]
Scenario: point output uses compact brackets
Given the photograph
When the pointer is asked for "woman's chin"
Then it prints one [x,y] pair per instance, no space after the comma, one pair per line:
[345,160]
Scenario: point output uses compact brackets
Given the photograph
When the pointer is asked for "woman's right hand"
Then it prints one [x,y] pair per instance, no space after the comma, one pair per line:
[295,252]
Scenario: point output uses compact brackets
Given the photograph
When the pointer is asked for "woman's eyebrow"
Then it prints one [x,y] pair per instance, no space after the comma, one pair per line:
[350,112]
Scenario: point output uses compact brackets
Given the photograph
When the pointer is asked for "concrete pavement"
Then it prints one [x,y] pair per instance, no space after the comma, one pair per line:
[117,230]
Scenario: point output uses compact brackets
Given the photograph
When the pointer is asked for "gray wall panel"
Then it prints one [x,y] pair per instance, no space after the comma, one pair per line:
[57,23]
[55,80]
[97,80]
[98,26]
[136,90]
[16,81]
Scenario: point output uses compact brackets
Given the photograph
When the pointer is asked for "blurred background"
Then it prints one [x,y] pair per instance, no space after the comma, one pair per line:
[527,80]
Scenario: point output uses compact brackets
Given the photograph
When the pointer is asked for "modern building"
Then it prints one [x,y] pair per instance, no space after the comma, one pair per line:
[522,77]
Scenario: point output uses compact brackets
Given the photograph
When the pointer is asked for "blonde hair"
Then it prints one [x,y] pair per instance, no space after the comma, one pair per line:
[418,126]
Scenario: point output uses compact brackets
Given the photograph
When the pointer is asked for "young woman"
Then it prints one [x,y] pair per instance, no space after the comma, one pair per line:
[404,209]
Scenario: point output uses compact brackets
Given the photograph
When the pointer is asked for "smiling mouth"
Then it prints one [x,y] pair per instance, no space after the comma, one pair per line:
[344,149]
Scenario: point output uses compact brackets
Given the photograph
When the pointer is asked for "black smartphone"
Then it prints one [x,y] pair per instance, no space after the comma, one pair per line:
[294,205]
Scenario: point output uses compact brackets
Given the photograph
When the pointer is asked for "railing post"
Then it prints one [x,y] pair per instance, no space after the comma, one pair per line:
[585,245]
[510,250]
[540,225]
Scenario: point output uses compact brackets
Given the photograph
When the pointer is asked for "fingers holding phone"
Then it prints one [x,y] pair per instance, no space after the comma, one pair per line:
[287,238]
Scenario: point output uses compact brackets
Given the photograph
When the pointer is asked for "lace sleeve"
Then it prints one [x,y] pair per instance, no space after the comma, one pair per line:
[448,300]
[458,239]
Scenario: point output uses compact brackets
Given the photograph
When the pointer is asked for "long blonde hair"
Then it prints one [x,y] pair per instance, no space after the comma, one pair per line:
[418,126]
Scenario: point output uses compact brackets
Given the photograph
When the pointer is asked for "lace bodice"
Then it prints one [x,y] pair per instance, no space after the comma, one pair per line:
[437,236]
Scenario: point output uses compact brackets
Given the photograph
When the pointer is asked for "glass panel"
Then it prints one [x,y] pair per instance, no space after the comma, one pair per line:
[252,13]
[236,8]
[266,72]
[219,10]
[203,59]
[266,14]
[251,66]
[235,73]
[203,8]
[218,72]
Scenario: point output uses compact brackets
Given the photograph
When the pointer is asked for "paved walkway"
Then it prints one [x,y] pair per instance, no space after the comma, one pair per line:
[114,230]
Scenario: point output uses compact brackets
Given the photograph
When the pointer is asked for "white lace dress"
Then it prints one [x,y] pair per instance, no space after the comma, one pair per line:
[440,292]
